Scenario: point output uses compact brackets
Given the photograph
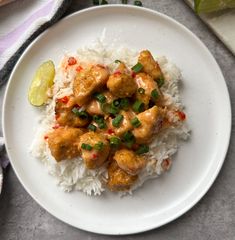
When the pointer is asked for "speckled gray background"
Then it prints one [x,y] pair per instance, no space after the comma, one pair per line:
[213,218]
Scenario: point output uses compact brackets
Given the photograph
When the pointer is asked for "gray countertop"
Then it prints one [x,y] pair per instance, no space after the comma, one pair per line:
[212,218]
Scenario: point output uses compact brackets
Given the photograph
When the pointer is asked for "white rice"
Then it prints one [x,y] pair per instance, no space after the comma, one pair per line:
[72,174]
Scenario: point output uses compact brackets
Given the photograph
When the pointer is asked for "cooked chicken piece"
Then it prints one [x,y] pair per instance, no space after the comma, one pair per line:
[149,120]
[147,83]
[89,81]
[125,125]
[130,162]
[63,143]
[120,83]
[95,157]
[65,116]
[119,180]
[94,107]
[150,66]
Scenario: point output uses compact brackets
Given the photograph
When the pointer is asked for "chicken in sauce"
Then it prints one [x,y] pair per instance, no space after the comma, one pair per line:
[111,118]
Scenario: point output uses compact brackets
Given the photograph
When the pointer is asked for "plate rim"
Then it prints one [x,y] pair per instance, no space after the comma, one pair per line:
[223,151]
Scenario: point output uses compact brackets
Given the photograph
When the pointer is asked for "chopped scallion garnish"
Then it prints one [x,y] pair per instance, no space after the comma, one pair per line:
[100,97]
[135,122]
[116,103]
[99,146]
[124,103]
[92,127]
[138,106]
[154,94]
[137,68]
[142,149]
[86,146]
[129,139]
[102,125]
[117,120]
[141,90]
[160,81]
[81,114]
[113,110]
[117,61]
[114,141]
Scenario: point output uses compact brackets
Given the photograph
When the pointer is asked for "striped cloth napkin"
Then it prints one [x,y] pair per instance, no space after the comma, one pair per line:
[20,22]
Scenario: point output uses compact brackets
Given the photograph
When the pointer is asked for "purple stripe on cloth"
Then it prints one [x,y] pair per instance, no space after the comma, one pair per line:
[9,39]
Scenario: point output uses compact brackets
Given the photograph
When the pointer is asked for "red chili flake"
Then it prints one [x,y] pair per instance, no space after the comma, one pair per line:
[79,68]
[65,99]
[181,115]
[72,61]
[57,116]
[135,146]
[45,137]
[110,131]
[133,74]
[94,155]
[56,126]
[117,72]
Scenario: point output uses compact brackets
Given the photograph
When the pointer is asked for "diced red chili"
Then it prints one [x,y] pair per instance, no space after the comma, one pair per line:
[56,126]
[79,69]
[133,74]
[110,131]
[45,137]
[181,115]
[117,73]
[72,61]
[135,146]
[94,155]
[65,99]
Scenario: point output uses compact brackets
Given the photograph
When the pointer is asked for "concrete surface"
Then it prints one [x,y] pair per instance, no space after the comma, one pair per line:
[213,218]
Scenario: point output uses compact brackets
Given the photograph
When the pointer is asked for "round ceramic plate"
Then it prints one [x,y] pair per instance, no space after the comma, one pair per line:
[198,161]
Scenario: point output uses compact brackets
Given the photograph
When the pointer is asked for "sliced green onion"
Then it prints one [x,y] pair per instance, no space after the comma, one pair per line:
[116,103]
[141,90]
[104,2]
[138,106]
[117,120]
[137,68]
[142,149]
[92,127]
[96,2]
[102,125]
[117,61]
[135,122]
[124,103]
[81,114]
[86,146]
[160,81]
[155,94]
[114,141]
[100,97]
[138,3]
[98,119]
[113,110]
[99,146]
[129,139]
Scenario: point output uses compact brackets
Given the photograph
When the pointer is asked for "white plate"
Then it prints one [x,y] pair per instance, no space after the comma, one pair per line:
[207,105]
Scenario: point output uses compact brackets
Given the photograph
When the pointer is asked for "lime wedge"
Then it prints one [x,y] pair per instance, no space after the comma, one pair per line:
[206,6]
[43,79]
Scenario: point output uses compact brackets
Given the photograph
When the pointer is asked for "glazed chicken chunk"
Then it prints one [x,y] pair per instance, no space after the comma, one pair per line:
[94,148]
[130,162]
[150,66]
[88,81]
[63,143]
[120,83]
[118,179]
[149,120]
[147,83]
[64,114]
